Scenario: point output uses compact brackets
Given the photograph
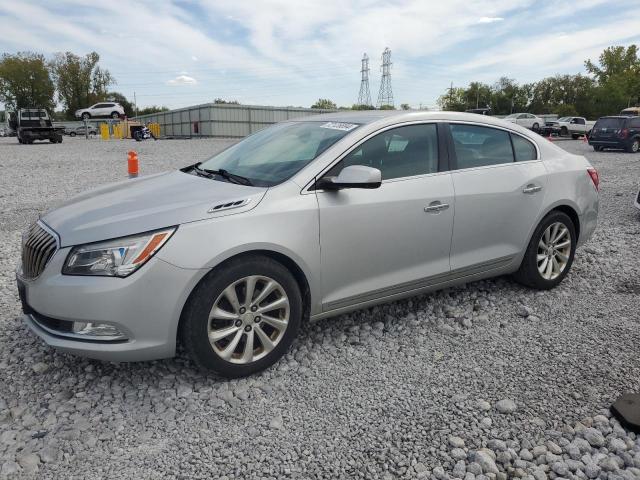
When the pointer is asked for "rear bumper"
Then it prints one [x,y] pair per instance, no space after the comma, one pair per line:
[596,142]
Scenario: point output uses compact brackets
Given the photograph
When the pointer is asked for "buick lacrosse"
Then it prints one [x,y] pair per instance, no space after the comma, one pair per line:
[303,220]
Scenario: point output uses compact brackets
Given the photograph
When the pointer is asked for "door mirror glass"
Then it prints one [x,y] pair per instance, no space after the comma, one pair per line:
[354,176]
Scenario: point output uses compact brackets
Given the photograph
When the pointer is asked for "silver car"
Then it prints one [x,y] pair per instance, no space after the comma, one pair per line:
[303,220]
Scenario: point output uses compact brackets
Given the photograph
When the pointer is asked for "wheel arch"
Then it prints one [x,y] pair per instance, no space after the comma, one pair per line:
[568,209]
[291,265]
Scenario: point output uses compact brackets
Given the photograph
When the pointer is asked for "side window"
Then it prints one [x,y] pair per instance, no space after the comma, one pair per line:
[399,152]
[480,146]
[580,121]
[634,123]
[523,149]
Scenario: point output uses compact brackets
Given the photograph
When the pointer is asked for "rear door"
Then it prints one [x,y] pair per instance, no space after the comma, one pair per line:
[499,184]
[396,238]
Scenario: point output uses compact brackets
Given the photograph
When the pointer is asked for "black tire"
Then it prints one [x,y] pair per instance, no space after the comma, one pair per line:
[634,146]
[86,116]
[72,134]
[535,127]
[575,136]
[528,273]
[564,131]
[195,317]
[138,136]
[115,115]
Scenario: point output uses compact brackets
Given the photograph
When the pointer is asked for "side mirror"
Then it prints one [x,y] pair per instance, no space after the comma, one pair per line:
[355,176]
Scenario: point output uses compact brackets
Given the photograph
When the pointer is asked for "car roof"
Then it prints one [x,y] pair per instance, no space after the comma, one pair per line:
[365,117]
[621,117]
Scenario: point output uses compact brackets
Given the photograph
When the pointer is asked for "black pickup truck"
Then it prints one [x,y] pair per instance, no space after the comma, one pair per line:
[32,124]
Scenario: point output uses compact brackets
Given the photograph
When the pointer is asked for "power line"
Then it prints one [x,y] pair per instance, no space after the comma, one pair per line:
[364,97]
[385,96]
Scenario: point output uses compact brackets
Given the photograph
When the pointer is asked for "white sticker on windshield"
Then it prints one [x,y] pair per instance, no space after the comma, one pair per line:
[346,127]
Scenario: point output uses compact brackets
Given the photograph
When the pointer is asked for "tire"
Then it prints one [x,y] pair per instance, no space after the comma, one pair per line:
[634,146]
[198,320]
[564,131]
[575,136]
[115,115]
[72,134]
[86,116]
[529,273]
[597,148]
[138,136]
[535,127]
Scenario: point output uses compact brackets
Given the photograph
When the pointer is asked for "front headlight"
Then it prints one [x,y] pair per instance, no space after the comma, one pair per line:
[115,258]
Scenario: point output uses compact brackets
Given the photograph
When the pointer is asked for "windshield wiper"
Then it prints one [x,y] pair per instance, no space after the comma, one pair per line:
[232,177]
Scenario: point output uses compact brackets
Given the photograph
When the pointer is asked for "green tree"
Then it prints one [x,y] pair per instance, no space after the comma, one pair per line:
[25,81]
[362,107]
[618,71]
[122,100]
[405,106]
[454,100]
[152,109]
[325,104]
[387,107]
[80,81]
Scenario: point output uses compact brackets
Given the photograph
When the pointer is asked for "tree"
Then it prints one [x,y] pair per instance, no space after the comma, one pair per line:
[618,71]
[325,104]
[355,106]
[152,109]
[453,100]
[25,81]
[387,107]
[129,110]
[80,81]
[405,106]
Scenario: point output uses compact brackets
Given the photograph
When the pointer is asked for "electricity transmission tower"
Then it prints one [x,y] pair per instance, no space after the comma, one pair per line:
[385,96]
[364,97]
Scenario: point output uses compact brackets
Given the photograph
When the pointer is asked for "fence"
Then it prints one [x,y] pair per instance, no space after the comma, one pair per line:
[222,120]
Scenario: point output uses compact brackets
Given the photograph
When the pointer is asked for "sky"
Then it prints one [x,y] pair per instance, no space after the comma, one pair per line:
[292,52]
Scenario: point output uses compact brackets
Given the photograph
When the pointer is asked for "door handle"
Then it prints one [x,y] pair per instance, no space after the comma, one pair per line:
[436,207]
[531,188]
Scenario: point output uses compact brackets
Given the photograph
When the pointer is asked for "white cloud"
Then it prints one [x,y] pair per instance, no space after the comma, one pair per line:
[183,80]
[490,19]
[194,58]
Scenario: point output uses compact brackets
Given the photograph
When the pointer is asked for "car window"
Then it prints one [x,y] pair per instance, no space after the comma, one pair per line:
[634,122]
[523,149]
[477,146]
[609,123]
[399,152]
[580,121]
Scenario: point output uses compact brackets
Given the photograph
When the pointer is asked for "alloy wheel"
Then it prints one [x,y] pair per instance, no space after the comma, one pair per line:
[554,250]
[635,146]
[248,319]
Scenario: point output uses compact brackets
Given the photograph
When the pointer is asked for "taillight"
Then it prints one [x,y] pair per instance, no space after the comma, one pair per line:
[593,173]
[624,133]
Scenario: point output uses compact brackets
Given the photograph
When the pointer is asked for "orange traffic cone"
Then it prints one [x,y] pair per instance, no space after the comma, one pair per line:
[132,164]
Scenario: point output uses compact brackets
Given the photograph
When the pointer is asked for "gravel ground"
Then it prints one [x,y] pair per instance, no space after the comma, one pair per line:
[487,380]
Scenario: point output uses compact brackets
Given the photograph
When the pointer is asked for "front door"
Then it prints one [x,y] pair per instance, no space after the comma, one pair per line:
[396,238]
[500,186]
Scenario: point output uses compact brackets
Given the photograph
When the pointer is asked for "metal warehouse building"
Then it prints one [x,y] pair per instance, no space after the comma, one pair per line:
[222,120]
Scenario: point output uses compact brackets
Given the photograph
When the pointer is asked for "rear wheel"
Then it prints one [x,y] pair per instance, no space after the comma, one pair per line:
[550,252]
[86,116]
[242,317]
[72,134]
[115,115]
[575,136]
[634,146]
[564,131]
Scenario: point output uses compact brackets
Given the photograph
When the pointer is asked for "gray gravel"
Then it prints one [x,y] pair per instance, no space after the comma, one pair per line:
[488,380]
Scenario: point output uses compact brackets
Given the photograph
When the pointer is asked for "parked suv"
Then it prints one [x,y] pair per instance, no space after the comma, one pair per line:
[82,130]
[617,132]
[104,109]
[303,220]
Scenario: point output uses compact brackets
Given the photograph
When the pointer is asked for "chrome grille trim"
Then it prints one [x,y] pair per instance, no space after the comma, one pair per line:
[39,244]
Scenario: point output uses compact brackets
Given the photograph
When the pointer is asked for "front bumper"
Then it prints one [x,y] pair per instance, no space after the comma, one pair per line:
[145,307]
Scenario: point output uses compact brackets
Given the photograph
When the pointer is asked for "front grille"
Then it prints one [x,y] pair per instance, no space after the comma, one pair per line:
[37,249]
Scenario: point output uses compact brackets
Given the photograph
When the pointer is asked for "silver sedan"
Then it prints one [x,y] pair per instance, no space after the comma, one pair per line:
[303,220]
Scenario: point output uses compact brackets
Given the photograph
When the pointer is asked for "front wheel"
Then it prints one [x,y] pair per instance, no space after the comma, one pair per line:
[550,252]
[115,115]
[72,134]
[634,146]
[535,127]
[564,131]
[242,317]
[86,116]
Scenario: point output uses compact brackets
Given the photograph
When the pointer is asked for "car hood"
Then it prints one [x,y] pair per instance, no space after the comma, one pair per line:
[143,204]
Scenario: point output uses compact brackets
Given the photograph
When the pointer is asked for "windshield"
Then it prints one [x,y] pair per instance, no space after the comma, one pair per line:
[565,119]
[274,154]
